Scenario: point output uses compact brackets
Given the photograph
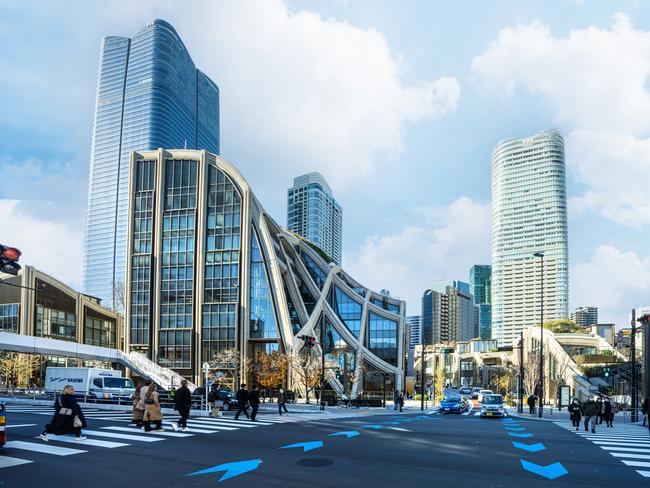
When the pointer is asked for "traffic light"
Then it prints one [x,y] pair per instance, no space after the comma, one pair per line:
[309,341]
[9,257]
[338,374]
[447,350]
[644,319]
[606,371]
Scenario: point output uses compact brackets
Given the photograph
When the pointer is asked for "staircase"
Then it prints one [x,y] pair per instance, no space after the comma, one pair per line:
[143,366]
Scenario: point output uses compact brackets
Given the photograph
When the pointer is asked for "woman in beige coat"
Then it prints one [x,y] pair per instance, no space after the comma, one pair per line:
[138,406]
[152,412]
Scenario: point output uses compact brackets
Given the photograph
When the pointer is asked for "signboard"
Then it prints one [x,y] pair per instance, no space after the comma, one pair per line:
[565,393]
[619,336]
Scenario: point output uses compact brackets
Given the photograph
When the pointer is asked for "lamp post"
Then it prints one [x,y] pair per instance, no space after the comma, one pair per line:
[520,386]
[322,368]
[540,411]
[633,386]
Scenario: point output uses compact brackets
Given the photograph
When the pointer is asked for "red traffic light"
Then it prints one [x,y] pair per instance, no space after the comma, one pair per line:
[11,253]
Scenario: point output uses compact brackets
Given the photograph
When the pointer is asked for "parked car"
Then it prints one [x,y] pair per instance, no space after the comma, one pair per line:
[492,406]
[475,391]
[224,394]
[453,404]
[482,393]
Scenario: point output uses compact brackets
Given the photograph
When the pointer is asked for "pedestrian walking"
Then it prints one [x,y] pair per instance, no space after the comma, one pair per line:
[531,404]
[401,402]
[575,413]
[242,401]
[599,401]
[608,413]
[254,400]
[282,401]
[152,411]
[68,417]
[590,411]
[644,411]
[182,404]
[396,400]
[137,412]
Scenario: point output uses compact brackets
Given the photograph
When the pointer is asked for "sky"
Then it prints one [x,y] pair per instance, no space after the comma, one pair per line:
[397,104]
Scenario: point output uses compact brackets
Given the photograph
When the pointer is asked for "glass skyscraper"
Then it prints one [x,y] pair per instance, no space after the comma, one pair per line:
[480,284]
[529,215]
[149,95]
[313,213]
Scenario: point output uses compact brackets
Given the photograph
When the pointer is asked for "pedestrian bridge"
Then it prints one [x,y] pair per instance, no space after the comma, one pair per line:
[134,361]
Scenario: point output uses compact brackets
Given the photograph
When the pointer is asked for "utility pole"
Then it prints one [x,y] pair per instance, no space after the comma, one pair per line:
[422,369]
[540,410]
[633,392]
[520,392]
[322,367]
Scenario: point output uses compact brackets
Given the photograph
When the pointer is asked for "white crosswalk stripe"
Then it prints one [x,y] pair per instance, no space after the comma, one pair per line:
[628,442]
[42,447]
[8,461]
[135,430]
[87,442]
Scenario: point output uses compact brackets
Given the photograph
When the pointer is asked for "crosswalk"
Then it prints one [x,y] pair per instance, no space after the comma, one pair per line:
[119,434]
[627,442]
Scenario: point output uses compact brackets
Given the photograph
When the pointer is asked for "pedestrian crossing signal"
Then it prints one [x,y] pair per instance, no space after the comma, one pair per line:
[606,371]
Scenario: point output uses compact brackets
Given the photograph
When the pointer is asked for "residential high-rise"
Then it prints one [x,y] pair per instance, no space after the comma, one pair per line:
[585,316]
[529,215]
[149,95]
[480,285]
[414,324]
[448,313]
[211,275]
[313,213]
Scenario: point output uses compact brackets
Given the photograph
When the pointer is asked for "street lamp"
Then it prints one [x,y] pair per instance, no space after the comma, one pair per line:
[541,337]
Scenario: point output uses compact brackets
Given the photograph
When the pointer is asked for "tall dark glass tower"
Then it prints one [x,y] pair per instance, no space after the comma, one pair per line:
[149,95]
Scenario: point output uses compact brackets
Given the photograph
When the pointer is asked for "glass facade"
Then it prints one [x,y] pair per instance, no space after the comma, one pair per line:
[99,330]
[383,338]
[480,282]
[313,213]
[221,273]
[56,313]
[262,317]
[346,309]
[149,95]
[384,304]
[9,317]
[315,271]
[529,215]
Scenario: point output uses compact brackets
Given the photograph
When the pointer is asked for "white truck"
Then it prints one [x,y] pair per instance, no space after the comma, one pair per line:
[94,383]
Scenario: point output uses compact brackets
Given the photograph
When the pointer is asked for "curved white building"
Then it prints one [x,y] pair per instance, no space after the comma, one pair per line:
[209,270]
[529,215]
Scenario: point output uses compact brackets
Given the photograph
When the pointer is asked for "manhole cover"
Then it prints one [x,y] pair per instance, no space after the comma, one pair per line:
[315,462]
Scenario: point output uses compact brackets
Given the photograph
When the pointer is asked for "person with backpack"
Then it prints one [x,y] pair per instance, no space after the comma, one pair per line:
[68,417]
[182,404]
[152,410]
[254,400]
[242,401]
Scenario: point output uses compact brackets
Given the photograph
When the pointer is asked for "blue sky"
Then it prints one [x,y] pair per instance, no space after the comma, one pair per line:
[398,104]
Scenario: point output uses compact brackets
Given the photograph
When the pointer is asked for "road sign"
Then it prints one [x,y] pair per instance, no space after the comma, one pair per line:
[619,336]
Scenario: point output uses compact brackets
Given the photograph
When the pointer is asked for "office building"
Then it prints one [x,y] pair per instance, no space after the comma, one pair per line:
[585,316]
[480,286]
[149,95]
[313,213]
[529,216]
[210,271]
[448,313]
[414,323]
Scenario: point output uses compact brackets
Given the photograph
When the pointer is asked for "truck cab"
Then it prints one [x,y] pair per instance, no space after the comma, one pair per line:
[111,388]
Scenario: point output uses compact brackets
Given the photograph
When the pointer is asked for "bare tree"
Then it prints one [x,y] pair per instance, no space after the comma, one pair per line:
[305,366]
[18,369]
[531,373]
[230,363]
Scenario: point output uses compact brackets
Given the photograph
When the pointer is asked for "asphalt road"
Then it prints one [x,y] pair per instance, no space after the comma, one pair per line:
[378,451]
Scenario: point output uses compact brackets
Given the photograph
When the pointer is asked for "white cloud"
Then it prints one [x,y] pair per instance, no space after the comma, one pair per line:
[594,81]
[311,92]
[409,261]
[54,248]
[614,280]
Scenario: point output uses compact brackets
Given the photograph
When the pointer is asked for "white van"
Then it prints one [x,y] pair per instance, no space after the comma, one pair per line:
[94,383]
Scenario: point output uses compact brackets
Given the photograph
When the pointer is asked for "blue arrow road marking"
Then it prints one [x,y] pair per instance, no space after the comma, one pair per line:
[307,446]
[551,471]
[348,434]
[515,428]
[529,447]
[372,426]
[514,434]
[231,469]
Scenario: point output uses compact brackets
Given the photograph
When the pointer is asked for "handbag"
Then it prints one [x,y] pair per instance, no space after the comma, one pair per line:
[77,422]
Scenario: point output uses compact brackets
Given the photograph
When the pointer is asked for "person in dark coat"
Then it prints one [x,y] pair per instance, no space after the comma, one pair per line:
[575,413]
[531,404]
[590,409]
[68,417]
[396,400]
[182,404]
[608,413]
[254,400]
[282,401]
[644,411]
[401,402]
[242,401]
[599,401]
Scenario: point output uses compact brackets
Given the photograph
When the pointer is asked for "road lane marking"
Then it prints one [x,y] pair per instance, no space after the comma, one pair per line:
[42,447]
[142,438]
[135,430]
[19,425]
[7,461]
[88,442]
